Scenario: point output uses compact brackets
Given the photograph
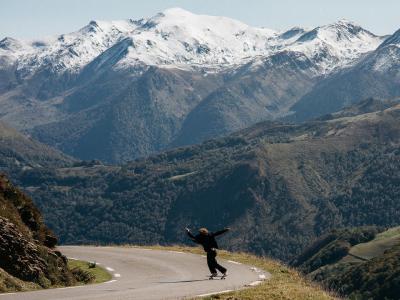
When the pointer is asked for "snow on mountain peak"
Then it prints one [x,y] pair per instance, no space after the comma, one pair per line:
[292,33]
[337,32]
[393,40]
[74,50]
[178,19]
[337,44]
[179,38]
[177,12]
[10,44]
[386,56]
[95,26]
[11,49]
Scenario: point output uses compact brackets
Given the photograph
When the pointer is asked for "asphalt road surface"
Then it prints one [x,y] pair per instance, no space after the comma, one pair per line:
[147,274]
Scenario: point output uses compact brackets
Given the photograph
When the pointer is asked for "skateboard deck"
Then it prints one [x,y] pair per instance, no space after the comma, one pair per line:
[221,277]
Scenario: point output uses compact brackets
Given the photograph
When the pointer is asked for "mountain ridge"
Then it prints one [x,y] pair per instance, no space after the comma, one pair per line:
[374,75]
[189,32]
[203,74]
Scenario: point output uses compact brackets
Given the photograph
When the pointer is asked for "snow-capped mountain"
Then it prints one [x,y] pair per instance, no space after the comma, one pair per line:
[376,74]
[387,56]
[178,38]
[336,45]
[11,46]
[393,40]
[115,90]
[70,52]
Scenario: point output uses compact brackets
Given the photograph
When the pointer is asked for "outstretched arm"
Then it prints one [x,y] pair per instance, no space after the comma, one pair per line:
[221,231]
[191,236]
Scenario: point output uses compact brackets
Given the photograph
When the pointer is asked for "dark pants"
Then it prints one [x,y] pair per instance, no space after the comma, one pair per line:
[212,262]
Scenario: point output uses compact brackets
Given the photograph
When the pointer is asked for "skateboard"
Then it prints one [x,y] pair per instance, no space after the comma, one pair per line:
[221,277]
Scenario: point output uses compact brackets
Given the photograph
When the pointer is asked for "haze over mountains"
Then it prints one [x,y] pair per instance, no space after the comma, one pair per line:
[119,90]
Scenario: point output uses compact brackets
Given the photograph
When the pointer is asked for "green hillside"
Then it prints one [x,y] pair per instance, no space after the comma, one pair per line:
[382,242]
[19,153]
[367,268]
[279,186]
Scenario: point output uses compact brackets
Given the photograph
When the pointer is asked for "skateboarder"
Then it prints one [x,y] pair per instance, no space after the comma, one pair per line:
[207,240]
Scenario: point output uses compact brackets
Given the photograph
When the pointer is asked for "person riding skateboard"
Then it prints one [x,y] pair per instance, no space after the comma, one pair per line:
[207,240]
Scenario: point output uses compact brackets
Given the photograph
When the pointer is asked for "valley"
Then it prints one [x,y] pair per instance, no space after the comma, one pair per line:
[291,182]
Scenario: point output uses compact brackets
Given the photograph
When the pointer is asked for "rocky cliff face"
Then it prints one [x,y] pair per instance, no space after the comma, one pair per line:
[27,256]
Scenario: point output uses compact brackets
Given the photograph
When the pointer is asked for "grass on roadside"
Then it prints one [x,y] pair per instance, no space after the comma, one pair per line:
[87,275]
[284,284]
[98,274]
[10,284]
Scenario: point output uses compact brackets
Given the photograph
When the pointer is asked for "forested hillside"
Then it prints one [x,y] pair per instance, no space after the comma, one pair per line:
[19,153]
[362,263]
[278,186]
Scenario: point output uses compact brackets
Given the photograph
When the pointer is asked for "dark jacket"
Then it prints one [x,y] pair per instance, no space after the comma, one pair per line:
[207,241]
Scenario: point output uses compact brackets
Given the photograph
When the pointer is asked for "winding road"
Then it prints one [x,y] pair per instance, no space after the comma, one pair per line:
[147,274]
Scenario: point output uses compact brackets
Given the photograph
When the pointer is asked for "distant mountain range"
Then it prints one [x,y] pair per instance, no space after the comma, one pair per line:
[120,90]
[377,74]
[285,184]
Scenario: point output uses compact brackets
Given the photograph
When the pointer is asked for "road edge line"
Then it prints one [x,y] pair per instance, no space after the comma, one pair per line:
[234,262]
[215,293]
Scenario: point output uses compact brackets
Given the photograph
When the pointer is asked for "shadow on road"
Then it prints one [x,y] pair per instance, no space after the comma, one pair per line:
[179,281]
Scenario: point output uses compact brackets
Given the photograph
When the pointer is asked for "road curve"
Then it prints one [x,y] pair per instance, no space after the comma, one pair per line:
[146,274]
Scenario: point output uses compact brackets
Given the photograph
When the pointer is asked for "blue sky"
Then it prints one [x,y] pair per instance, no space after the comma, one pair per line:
[38,18]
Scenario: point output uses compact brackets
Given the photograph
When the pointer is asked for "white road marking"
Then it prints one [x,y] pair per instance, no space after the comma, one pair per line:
[203,256]
[234,262]
[111,281]
[172,251]
[254,283]
[5,294]
[71,287]
[215,293]
[262,276]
